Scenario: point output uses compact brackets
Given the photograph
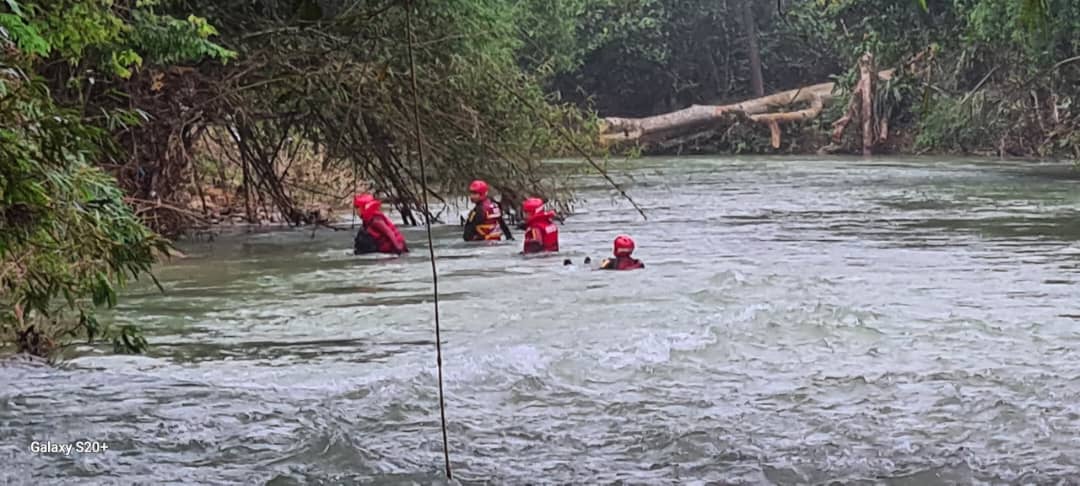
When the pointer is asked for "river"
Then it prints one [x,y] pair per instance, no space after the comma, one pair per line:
[891,321]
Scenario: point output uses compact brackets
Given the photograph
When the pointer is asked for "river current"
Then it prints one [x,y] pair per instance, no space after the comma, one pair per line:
[800,321]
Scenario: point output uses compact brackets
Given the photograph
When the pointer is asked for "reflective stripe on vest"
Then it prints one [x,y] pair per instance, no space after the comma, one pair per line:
[490,229]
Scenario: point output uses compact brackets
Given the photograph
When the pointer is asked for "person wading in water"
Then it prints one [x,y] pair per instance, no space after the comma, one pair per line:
[485,221]
[624,247]
[541,234]
[378,234]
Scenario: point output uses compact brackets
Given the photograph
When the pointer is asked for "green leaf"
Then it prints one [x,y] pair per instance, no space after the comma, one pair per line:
[26,36]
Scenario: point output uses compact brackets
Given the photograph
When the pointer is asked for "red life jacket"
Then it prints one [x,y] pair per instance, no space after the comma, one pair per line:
[541,229]
[622,263]
[385,243]
[488,226]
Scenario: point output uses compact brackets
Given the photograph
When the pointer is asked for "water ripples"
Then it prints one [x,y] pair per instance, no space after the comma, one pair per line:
[799,322]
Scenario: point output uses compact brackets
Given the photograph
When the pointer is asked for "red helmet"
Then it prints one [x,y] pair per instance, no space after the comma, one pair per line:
[479,187]
[624,246]
[371,206]
[532,206]
[360,200]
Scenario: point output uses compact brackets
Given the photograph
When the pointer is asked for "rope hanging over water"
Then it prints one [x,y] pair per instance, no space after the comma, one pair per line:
[427,224]
[427,216]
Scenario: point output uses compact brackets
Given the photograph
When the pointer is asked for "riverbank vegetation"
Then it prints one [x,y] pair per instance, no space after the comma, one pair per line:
[989,77]
[68,235]
[123,120]
[170,108]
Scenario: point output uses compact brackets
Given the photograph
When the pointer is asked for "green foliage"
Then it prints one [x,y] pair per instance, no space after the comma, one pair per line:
[564,32]
[72,27]
[68,239]
[642,57]
[636,54]
[27,38]
[80,31]
[891,30]
[65,231]
[1013,52]
[166,40]
[993,74]
[341,80]
[955,125]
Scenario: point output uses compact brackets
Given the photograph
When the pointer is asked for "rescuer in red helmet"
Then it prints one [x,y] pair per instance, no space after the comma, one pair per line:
[541,234]
[624,247]
[485,221]
[378,235]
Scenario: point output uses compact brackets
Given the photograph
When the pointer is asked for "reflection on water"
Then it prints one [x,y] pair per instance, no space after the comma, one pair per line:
[800,321]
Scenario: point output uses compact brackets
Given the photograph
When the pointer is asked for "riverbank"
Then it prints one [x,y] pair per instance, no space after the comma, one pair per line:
[813,139]
[819,119]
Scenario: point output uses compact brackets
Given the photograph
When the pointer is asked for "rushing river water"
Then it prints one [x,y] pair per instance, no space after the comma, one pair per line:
[800,321]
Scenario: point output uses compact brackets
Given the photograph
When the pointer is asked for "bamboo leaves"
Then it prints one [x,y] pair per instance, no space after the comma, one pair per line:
[66,234]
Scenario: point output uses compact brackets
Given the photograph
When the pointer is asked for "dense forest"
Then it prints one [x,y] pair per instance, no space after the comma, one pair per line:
[125,120]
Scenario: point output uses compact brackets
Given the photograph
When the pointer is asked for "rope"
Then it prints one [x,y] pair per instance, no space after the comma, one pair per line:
[427,224]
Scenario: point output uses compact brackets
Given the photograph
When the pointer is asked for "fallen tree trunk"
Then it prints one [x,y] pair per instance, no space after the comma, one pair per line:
[699,118]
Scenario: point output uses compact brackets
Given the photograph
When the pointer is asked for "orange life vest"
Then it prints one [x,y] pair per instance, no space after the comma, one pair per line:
[542,230]
[487,226]
[384,243]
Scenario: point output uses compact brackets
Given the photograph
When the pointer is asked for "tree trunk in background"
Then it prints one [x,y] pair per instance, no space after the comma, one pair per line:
[729,76]
[711,75]
[698,118]
[703,117]
[753,51]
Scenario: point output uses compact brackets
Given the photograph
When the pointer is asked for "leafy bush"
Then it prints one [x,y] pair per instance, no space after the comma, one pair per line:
[68,240]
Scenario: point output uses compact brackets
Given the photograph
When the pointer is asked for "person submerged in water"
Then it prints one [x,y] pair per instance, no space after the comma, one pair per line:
[378,234]
[541,234]
[485,221]
[624,247]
